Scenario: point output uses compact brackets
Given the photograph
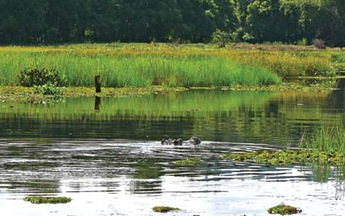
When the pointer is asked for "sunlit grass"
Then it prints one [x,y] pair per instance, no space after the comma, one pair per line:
[134,68]
[288,63]
[142,65]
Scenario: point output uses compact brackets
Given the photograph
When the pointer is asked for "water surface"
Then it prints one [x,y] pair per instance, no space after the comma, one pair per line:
[108,158]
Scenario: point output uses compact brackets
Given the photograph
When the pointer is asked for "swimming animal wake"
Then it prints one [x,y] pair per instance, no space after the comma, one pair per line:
[193,140]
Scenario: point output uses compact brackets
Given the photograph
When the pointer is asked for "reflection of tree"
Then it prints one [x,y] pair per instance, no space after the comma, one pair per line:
[146,178]
[336,99]
[36,186]
[147,170]
[27,169]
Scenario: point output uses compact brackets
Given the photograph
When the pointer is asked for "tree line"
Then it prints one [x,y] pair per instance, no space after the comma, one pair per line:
[253,21]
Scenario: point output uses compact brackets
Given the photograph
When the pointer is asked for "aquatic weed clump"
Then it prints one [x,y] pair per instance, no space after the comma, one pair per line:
[289,157]
[164,209]
[188,161]
[283,209]
[47,200]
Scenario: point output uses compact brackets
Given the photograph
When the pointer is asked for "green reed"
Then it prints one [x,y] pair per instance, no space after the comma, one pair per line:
[134,68]
[327,139]
[164,64]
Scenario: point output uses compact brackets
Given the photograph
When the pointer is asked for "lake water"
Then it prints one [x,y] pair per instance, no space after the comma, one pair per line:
[108,158]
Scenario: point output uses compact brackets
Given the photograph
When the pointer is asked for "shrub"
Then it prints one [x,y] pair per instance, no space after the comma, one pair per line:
[220,37]
[48,89]
[302,42]
[319,44]
[41,77]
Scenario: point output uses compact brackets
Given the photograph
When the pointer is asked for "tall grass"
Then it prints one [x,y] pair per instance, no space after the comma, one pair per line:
[162,64]
[288,64]
[327,140]
[120,70]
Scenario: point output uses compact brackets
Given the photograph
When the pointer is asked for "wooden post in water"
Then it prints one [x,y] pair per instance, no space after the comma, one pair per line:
[98,83]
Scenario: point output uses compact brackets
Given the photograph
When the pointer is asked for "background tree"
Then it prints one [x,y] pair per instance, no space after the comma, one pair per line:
[65,21]
[265,21]
[22,21]
[323,19]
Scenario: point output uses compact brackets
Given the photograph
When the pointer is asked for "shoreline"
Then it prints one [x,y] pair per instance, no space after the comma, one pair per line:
[27,94]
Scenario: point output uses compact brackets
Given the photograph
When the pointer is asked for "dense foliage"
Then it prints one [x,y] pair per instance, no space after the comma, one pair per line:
[61,21]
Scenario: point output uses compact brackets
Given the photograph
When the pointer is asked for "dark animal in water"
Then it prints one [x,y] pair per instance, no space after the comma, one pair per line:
[193,140]
[171,141]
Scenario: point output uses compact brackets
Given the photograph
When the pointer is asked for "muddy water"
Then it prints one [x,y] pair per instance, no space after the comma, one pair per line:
[109,160]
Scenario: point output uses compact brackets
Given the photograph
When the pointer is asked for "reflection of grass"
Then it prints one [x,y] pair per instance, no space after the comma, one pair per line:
[196,103]
[183,113]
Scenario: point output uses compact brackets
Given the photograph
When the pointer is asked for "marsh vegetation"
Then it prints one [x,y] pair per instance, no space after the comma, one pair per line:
[142,65]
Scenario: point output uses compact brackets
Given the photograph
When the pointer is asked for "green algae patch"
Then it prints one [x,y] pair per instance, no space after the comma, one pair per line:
[284,210]
[289,157]
[164,209]
[47,200]
[188,161]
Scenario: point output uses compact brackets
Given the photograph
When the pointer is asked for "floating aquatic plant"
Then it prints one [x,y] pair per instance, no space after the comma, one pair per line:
[164,209]
[47,200]
[283,209]
[289,157]
[188,161]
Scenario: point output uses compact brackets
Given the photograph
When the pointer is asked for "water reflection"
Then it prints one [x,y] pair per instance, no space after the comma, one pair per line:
[107,154]
[337,97]
[260,117]
[97,103]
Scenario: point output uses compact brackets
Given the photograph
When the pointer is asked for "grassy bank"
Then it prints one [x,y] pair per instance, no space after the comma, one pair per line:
[140,65]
